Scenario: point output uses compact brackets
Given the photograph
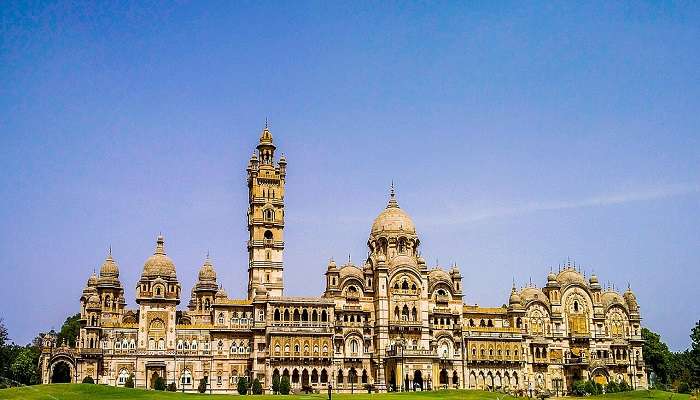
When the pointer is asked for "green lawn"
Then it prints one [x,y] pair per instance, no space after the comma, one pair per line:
[98,392]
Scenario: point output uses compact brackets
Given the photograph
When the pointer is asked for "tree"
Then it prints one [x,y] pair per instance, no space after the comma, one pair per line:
[24,366]
[4,353]
[656,355]
[242,386]
[275,384]
[70,330]
[257,386]
[284,385]
[694,357]
[202,387]
[88,379]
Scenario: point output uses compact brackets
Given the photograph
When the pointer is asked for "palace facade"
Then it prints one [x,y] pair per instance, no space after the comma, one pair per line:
[392,322]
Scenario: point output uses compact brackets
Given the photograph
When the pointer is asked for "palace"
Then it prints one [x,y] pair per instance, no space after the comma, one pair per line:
[392,322]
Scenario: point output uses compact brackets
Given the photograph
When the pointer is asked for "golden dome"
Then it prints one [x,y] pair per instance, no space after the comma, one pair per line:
[159,264]
[207,272]
[109,268]
[92,280]
[393,218]
[514,298]
[266,136]
[221,293]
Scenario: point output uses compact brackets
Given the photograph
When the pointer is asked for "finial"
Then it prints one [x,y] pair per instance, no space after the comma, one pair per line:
[266,125]
[348,258]
[110,250]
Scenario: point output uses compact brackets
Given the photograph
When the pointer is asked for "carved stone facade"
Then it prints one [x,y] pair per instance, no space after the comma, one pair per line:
[392,322]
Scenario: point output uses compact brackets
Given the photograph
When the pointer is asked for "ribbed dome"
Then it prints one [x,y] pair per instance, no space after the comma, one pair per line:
[393,218]
[514,297]
[438,275]
[159,264]
[221,293]
[109,268]
[207,272]
[351,270]
[92,280]
[570,276]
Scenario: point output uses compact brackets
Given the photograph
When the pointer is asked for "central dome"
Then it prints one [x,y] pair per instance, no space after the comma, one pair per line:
[159,264]
[393,218]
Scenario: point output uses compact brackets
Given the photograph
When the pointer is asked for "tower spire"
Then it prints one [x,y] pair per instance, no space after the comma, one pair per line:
[392,197]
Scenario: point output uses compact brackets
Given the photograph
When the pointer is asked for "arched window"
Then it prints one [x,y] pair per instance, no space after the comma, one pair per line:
[186,378]
[414,314]
[277,315]
[314,316]
[404,285]
[304,315]
[324,316]
[404,313]
[161,344]
[575,306]
[221,318]
[123,376]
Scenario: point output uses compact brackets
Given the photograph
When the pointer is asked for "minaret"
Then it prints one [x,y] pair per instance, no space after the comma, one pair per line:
[266,218]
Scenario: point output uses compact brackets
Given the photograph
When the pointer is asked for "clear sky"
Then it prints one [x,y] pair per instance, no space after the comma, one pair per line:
[518,134]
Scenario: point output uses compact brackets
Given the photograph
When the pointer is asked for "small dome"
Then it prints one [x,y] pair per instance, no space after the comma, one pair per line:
[532,293]
[438,274]
[611,297]
[221,293]
[454,271]
[349,270]
[631,299]
[551,277]
[109,268]
[92,280]
[514,297]
[159,264]
[332,264]
[393,219]
[266,136]
[207,272]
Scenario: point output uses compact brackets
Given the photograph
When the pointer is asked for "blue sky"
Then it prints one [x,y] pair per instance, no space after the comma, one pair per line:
[518,134]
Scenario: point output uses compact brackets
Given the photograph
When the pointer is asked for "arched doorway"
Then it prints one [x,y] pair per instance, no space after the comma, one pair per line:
[443,377]
[305,378]
[418,379]
[61,372]
[600,376]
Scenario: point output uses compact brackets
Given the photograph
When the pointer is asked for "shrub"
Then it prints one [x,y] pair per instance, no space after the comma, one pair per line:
[129,383]
[172,387]
[257,386]
[307,389]
[684,388]
[612,387]
[275,384]
[159,384]
[578,388]
[623,387]
[202,385]
[369,387]
[242,386]
[88,379]
[284,385]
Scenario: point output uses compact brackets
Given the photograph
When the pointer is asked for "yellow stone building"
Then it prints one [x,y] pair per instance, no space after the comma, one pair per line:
[391,322]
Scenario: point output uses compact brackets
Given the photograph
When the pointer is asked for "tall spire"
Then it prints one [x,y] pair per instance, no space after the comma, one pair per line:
[160,244]
[392,197]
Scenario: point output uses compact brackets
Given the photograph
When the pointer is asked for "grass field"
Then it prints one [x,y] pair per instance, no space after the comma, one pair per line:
[98,392]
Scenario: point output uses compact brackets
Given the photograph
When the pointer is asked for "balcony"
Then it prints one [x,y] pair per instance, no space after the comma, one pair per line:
[576,361]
